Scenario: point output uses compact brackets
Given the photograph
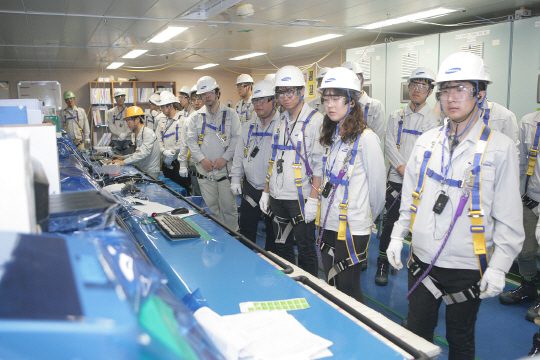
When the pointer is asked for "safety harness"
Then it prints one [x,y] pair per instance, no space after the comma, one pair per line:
[76,117]
[120,117]
[221,129]
[344,231]
[245,111]
[164,132]
[297,165]
[250,133]
[486,116]
[472,190]
[366,112]
[533,153]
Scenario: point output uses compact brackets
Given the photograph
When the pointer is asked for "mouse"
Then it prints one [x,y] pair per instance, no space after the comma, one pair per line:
[179,211]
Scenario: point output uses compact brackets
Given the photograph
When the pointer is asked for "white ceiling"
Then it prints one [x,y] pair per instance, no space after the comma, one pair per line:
[82,34]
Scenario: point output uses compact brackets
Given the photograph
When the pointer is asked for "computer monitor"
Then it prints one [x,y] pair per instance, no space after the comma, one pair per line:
[405,98]
[367,89]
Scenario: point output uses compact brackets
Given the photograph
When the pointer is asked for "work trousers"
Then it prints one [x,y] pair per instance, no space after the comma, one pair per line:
[392,214]
[219,198]
[347,281]
[250,214]
[174,175]
[527,256]
[303,232]
[195,189]
[460,317]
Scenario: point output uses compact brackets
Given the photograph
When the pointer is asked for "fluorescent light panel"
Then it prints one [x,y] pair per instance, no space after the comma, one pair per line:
[167,34]
[247,56]
[313,40]
[206,66]
[133,54]
[115,65]
[412,17]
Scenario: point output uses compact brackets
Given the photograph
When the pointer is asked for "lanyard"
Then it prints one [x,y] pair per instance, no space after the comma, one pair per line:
[444,173]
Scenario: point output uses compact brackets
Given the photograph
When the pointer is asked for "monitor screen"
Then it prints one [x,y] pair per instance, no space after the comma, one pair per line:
[405,98]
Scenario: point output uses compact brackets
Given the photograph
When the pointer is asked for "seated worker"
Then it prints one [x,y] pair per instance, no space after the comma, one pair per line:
[352,187]
[292,183]
[147,155]
[253,150]
[402,130]
[74,121]
[462,204]
[316,103]
[244,107]
[152,120]
[168,137]
[121,136]
[211,138]
[187,165]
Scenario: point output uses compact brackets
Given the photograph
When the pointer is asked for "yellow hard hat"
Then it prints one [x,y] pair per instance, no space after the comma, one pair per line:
[134,111]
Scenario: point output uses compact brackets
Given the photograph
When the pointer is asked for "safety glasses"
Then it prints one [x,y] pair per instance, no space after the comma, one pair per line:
[262,100]
[287,94]
[333,99]
[419,87]
[456,93]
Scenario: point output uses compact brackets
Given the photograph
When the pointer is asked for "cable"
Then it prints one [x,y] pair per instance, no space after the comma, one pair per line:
[370,45]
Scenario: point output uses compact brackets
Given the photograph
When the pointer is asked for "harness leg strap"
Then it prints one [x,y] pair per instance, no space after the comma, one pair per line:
[284,229]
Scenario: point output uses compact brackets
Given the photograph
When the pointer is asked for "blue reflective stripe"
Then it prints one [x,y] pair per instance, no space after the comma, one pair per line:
[432,174]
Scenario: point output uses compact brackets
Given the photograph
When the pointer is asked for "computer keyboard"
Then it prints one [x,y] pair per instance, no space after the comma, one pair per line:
[175,227]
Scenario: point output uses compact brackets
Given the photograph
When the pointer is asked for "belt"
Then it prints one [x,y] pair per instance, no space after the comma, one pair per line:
[211,177]
[470,293]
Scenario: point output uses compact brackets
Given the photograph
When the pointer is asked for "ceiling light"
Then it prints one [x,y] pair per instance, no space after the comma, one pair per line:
[247,56]
[133,54]
[115,65]
[313,40]
[206,66]
[412,17]
[167,34]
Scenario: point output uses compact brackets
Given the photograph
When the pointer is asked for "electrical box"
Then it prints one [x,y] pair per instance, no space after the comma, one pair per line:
[372,60]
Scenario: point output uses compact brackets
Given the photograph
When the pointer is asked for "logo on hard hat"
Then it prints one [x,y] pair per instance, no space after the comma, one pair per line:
[330,80]
[203,87]
[286,79]
[257,91]
[420,72]
[452,70]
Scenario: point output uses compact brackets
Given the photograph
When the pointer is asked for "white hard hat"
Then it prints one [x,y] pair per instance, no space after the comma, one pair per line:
[463,66]
[244,78]
[322,72]
[353,66]
[154,99]
[206,84]
[341,78]
[289,76]
[422,73]
[263,88]
[119,92]
[270,77]
[194,88]
[166,98]
[185,90]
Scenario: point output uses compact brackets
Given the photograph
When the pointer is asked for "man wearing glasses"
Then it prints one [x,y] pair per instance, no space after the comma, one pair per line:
[211,137]
[121,134]
[253,150]
[244,107]
[168,136]
[402,130]
[291,191]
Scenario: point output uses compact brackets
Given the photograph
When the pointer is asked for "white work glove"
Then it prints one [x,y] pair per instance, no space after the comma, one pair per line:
[394,253]
[168,161]
[492,283]
[183,172]
[122,136]
[263,203]
[310,209]
[87,141]
[236,189]
[169,154]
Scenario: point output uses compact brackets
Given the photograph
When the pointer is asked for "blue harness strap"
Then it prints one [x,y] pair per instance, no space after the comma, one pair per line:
[221,128]
[171,134]
[451,182]
[533,153]
[486,116]
[366,112]
[257,134]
